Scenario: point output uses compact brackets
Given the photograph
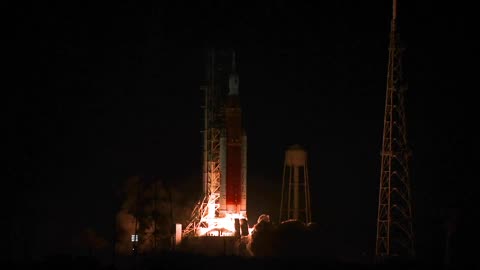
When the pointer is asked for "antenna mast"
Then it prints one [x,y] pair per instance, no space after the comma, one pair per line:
[395,237]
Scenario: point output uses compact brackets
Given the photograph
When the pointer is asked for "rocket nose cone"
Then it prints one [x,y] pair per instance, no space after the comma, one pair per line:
[233,84]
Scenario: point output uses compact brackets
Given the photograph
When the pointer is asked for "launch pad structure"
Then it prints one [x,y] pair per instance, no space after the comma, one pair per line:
[223,209]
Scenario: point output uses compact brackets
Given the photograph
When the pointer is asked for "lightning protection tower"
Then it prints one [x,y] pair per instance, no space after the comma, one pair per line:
[295,200]
[395,237]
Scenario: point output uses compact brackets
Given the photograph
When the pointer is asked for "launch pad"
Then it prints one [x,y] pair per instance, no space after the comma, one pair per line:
[215,246]
[223,224]
[223,209]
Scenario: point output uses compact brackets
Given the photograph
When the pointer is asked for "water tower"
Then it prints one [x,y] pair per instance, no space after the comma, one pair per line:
[295,201]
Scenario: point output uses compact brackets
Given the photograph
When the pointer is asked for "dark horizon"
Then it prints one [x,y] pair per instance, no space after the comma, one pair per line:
[104,92]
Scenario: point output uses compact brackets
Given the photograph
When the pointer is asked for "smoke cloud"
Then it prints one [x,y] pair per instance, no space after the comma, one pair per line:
[291,238]
[150,209]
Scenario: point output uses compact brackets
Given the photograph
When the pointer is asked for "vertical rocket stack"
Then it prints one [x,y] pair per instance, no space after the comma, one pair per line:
[233,153]
[223,209]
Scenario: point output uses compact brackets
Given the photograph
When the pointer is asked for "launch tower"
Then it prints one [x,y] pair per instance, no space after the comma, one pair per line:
[223,210]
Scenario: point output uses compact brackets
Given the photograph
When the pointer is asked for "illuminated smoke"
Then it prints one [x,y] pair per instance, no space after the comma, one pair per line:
[291,238]
[263,217]
[150,209]
[125,229]
[261,238]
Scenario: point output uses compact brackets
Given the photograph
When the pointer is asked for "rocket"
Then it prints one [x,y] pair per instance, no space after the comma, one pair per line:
[233,153]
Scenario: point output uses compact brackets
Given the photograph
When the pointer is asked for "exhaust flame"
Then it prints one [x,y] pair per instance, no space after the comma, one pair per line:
[210,225]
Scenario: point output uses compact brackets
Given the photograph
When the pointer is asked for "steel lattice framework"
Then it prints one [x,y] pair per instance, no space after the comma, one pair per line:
[395,236]
[211,150]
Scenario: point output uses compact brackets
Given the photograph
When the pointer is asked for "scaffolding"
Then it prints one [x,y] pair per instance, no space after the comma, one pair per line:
[207,208]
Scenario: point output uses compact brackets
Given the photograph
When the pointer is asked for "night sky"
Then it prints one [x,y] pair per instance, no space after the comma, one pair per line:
[98,93]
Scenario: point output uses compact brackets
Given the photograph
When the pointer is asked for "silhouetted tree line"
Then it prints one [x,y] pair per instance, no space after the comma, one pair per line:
[289,244]
[150,209]
[299,242]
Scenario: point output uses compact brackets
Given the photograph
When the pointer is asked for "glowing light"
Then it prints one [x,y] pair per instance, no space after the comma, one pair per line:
[218,226]
[134,237]
[178,233]
[216,222]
